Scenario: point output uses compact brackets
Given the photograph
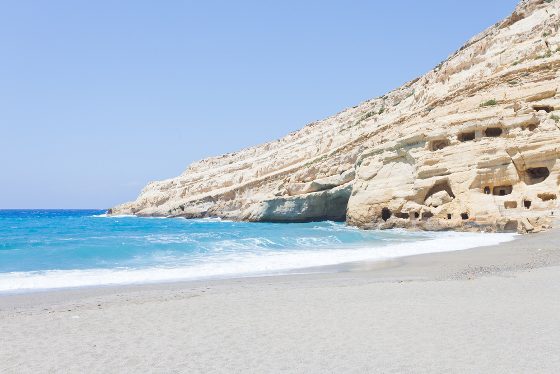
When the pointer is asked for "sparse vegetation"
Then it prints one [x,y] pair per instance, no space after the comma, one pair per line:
[381,110]
[546,55]
[555,118]
[546,33]
[440,65]
[490,102]
[368,114]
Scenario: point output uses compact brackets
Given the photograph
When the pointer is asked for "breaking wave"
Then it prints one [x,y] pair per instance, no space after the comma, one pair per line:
[61,249]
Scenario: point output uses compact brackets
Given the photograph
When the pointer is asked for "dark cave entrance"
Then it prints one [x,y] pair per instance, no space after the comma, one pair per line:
[466,136]
[493,132]
[386,214]
[440,186]
[536,175]
[546,108]
[502,190]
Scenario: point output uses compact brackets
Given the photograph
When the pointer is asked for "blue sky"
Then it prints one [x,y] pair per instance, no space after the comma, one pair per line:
[97,98]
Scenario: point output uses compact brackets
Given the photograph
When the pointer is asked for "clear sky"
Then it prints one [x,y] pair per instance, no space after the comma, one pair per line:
[99,97]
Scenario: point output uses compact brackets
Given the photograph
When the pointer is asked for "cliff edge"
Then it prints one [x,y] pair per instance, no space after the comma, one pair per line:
[471,145]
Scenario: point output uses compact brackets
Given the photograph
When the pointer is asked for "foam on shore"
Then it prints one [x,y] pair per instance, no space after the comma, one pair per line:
[244,264]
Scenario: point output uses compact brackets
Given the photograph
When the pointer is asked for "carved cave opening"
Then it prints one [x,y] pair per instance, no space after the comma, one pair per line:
[527,204]
[546,108]
[546,196]
[510,204]
[493,132]
[531,127]
[536,175]
[402,215]
[440,186]
[436,145]
[502,190]
[386,214]
[466,136]
[511,226]
[464,216]
[427,215]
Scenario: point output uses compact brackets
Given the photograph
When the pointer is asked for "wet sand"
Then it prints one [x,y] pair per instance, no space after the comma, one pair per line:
[488,309]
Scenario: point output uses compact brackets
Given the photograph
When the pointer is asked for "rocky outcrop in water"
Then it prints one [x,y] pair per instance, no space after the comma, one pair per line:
[471,145]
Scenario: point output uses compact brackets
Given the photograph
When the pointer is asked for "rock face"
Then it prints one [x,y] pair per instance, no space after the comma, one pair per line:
[471,145]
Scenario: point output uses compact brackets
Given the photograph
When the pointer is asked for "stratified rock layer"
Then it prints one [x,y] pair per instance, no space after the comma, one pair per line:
[471,145]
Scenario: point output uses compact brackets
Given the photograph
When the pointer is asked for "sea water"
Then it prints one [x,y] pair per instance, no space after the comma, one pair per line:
[45,249]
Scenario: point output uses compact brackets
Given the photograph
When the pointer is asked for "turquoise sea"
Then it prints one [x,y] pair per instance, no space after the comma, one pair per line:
[45,249]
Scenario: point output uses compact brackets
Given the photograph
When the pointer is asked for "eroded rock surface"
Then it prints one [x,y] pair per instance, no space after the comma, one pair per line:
[471,145]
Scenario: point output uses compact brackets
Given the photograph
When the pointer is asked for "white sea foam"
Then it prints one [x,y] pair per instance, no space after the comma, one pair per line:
[166,239]
[335,226]
[310,241]
[105,215]
[211,219]
[245,263]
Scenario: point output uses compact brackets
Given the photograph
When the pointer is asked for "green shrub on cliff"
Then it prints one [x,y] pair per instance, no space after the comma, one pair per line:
[490,102]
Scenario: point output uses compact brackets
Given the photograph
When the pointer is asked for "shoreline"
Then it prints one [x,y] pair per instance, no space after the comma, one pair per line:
[365,264]
[521,253]
[300,261]
[447,311]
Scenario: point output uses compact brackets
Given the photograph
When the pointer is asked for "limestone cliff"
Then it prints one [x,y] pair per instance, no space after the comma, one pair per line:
[471,145]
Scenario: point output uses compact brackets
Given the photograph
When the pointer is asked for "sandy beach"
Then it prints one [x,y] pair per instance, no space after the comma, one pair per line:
[280,187]
[488,309]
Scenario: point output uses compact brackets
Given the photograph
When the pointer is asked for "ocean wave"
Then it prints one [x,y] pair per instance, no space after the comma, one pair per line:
[190,220]
[243,244]
[245,263]
[211,219]
[169,239]
[105,215]
[311,241]
[192,237]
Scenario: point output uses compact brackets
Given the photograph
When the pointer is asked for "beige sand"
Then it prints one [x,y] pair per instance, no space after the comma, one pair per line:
[493,309]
